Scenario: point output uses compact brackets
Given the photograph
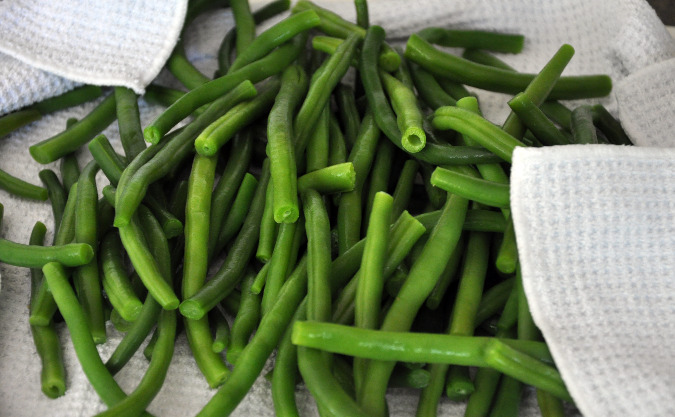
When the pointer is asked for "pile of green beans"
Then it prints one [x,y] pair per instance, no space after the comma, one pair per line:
[359,225]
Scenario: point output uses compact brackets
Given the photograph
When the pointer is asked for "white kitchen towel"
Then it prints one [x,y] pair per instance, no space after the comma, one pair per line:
[100,42]
[622,38]
[596,238]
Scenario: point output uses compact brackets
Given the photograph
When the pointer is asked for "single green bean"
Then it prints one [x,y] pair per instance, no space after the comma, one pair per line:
[128,119]
[318,256]
[535,120]
[246,321]
[481,57]
[245,25]
[368,296]
[491,41]
[549,405]
[260,280]
[17,254]
[286,372]
[13,121]
[181,68]
[610,126]
[329,45]
[361,13]
[455,89]
[71,98]
[448,275]
[507,399]
[257,71]
[482,191]
[493,300]
[280,147]
[170,155]
[70,171]
[558,113]
[115,280]
[404,187]
[21,188]
[494,79]
[220,131]
[204,297]
[161,95]
[379,175]
[507,256]
[237,214]
[268,228]
[429,89]
[221,336]
[337,153]
[408,114]
[318,144]
[85,349]
[278,264]
[333,179]
[581,125]
[57,195]
[49,150]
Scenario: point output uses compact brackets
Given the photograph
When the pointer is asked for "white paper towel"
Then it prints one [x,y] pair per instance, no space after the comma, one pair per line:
[622,38]
[97,42]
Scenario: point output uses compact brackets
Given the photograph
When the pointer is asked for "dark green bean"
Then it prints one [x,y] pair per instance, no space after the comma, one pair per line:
[610,126]
[70,171]
[286,372]
[49,150]
[429,89]
[57,195]
[456,90]
[128,119]
[246,321]
[181,68]
[318,144]
[348,113]
[268,228]
[115,280]
[493,300]
[21,188]
[404,187]
[481,57]
[245,25]
[221,336]
[494,79]
[448,275]
[536,121]
[237,214]
[278,264]
[13,121]
[581,125]
[160,95]
[549,405]
[491,41]
[379,175]
[337,153]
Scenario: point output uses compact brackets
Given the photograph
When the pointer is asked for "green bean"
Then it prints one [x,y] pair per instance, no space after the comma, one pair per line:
[245,25]
[227,46]
[456,90]
[362,13]
[329,45]
[178,200]
[204,297]
[45,338]
[536,121]
[422,278]
[115,280]
[525,368]
[581,124]
[403,236]
[70,171]
[278,264]
[318,144]
[508,397]
[285,373]
[181,68]
[408,114]
[485,382]
[257,71]
[160,95]
[368,296]
[49,150]
[610,126]
[246,321]
[280,147]
[497,42]
[275,36]
[21,188]
[195,266]
[85,349]
[448,275]
[17,254]
[337,153]
[70,98]
[429,89]
[13,121]
[482,191]
[481,57]
[128,119]
[260,280]
[549,405]
[268,228]
[57,195]
[154,377]
[379,175]
[333,179]
[166,157]
[334,25]
[219,132]
[507,256]
[318,256]
[253,357]
[477,128]
[349,207]
[404,186]
[44,306]
[348,113]
[558,113]
[321,85]
[237,214]
[494,79]
[221,337]
[225,191]
[493,300]
[414,347]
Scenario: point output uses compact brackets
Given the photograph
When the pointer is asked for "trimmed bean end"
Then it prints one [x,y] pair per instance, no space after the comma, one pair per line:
[172,228]
[191,309]
[286,214]
[152,134]
[204,147]
[218,346]
[54,389]
[506,264]
[40,157]
[414,139]
[389,61]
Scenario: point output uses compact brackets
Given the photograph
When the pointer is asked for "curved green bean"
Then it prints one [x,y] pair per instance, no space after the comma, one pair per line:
[581,125]
[246,321]
[408,114]
[115,281]
[21,188]
[57,195]
[129,122]
[482,191]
